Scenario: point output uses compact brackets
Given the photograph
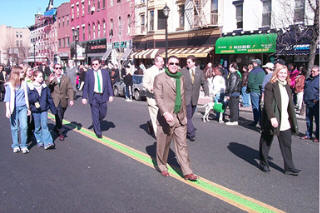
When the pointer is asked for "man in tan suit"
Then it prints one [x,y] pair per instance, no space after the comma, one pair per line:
[148,80]
[172,119]
[62,94]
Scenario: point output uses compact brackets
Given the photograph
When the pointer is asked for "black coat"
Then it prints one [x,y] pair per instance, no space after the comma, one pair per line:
[272,109]
[233,84]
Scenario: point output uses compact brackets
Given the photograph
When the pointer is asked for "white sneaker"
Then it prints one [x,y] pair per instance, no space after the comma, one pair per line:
[129,100]
[24,150]
[235,123]
[221,121]
[16,149]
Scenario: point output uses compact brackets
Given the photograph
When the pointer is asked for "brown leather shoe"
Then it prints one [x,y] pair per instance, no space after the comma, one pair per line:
[165,173]
[191,177]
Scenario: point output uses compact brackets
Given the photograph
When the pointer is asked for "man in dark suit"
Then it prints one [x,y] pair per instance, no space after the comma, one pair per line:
[98,89]
[171,119]
[193,79]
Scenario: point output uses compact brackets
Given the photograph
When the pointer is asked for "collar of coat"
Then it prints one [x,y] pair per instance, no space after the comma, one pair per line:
[32,87]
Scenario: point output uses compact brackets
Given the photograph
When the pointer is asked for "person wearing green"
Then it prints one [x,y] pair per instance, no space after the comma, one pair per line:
[254,87]
[169,92]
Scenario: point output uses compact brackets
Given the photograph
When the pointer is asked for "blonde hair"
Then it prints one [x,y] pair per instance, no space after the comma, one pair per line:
[15,79]
[277,69]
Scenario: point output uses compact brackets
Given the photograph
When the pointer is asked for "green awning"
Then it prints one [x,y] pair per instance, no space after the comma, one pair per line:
[246,44]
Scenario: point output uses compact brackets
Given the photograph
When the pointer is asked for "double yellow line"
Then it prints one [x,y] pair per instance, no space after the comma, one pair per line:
[215,190]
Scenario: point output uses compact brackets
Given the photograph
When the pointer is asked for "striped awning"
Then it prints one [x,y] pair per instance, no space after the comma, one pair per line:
[146,54]
[199,52]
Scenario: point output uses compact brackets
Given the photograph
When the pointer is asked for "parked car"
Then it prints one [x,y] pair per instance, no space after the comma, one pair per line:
[138,91]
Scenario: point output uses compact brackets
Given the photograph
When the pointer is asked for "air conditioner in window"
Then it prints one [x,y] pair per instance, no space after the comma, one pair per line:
[92,9]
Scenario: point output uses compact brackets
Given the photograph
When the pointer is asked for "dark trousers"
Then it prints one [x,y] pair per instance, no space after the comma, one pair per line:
[312,111]
[284,139]
[234,108]
[59,118]
[98,112]
[190,128]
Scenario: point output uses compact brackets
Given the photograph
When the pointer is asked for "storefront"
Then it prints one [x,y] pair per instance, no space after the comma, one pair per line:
[242,49]
[199,43]
[95,49]
[294,45]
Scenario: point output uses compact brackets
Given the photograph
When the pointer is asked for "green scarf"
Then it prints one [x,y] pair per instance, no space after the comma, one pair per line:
[177,76]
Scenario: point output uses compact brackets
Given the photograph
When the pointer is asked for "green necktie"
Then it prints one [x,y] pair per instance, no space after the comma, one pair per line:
[99,84]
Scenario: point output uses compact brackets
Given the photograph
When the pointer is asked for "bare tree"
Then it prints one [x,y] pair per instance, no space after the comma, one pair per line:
[315,34]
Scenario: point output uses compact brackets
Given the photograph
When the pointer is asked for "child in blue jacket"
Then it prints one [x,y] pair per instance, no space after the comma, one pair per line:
[40,101]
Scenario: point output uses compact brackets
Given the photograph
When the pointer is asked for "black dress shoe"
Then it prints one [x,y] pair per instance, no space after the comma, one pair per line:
[99,135]
[264,168]
[192,139]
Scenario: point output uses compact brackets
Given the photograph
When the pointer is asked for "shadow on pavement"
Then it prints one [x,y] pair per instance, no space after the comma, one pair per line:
[172,161]
[250,155]
[145,127]
[106,125]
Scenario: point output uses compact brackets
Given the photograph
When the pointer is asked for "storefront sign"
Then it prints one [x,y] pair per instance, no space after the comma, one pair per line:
[264,43]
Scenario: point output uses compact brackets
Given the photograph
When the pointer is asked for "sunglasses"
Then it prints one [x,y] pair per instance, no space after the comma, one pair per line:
[95,64]
[171,63]
[58,68]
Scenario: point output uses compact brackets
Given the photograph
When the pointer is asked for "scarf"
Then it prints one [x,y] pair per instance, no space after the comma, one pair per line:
[178,101]
[38,87]
[283,83]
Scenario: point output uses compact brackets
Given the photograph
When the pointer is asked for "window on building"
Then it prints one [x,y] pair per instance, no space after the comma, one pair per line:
[93,31]
[59,43]
[64,42]
[120,26]
[78,11]
[161,20]
[93,3]
[89,5]
[98,35]
[68,41]
[72,13]
[266,13]
[82,9]
[67,20]
[214,12]
[104,28]
[111,28]
[103,4]
[89,31]
[98,5]
[142,21]
[118,1]
[83,33]
[59,22]
[239,14]
[63,21]
[151,20]
[111,3]
[299,11]
[181,16]
[17,43]
[129,24]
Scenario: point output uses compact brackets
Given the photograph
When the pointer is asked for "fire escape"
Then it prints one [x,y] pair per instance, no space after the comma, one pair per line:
[196,15]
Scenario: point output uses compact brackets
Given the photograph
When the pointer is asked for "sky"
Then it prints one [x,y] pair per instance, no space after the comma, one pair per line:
[20,13]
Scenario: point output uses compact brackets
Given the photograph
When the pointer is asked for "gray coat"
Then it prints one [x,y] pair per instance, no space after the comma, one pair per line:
[192,91]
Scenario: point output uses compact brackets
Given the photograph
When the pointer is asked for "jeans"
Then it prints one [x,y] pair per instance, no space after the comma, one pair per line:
[191,132]
[255,101]
[219,98]
[41,130]
[18,121]
[128,92]
[245,97]
[312,111]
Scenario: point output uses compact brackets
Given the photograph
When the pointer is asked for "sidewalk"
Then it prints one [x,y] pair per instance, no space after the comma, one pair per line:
[203,100]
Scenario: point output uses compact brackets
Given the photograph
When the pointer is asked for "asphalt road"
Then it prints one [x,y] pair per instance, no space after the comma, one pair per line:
[82,175]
